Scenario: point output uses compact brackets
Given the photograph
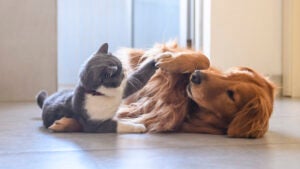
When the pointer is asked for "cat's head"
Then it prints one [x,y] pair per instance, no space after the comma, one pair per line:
[101,69]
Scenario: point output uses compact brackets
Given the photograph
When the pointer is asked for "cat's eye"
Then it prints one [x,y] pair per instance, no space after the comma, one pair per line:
[230,94]
[107,75]
[111,71]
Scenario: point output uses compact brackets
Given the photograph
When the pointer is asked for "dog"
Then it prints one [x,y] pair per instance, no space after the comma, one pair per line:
[187,95]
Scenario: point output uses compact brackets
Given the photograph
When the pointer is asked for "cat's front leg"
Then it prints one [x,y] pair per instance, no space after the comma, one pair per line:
[130,127]
[139,78]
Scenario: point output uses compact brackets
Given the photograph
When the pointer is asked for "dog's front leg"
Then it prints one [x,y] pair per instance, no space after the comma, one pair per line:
[182,62]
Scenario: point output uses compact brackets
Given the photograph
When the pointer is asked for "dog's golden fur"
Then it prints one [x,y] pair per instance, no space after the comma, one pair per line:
[238,103]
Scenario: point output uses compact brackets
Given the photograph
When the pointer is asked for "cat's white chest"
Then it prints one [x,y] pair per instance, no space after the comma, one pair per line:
[101,107]
[104,107]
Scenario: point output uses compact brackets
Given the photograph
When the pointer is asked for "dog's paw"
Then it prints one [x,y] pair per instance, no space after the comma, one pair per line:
[164,55]
[57,127]
[164,61]
[65,125]
[163,58]
[181,62]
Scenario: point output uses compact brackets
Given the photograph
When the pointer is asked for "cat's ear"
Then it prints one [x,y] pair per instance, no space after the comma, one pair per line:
[103,49]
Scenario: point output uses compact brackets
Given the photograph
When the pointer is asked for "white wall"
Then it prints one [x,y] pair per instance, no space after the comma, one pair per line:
[246,33]
[27,48]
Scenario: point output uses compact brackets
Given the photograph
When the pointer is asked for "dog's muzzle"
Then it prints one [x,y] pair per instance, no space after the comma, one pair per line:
[196,77]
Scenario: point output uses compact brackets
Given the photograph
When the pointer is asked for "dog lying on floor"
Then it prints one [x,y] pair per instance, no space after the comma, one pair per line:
[186,95]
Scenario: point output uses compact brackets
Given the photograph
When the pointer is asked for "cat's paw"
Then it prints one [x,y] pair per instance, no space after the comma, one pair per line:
[130,127]
[140,128]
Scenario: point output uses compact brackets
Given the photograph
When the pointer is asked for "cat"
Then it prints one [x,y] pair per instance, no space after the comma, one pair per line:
[97,96]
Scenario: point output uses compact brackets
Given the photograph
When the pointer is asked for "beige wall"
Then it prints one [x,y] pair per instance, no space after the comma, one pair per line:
[246,33]
[291,48]
[296,49]
[27,48]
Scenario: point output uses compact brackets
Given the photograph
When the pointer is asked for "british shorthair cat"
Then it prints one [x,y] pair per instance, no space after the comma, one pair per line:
[97,96]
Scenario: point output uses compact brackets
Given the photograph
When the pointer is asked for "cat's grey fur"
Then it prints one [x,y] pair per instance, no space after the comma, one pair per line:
[101,85]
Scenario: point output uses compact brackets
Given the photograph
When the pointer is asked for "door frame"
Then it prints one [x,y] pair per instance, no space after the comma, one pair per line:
[290,48]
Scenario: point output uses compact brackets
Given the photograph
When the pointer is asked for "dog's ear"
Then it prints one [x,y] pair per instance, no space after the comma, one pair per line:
[103,49]
[253,120]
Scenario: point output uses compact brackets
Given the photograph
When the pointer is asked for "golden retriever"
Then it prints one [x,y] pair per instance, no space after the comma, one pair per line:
[185,95]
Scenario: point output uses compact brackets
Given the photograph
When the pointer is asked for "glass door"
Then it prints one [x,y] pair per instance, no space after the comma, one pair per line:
[83,26]
[155,21]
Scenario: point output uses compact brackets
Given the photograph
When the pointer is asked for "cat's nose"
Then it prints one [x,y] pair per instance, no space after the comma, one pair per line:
[196,77]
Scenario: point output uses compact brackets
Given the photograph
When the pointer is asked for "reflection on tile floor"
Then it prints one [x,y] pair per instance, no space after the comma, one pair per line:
[24,144]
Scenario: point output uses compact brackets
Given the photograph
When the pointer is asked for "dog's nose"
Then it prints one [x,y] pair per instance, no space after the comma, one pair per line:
[196,77]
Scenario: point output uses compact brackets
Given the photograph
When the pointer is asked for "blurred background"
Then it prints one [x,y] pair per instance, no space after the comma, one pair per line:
[83,26]
[43,43]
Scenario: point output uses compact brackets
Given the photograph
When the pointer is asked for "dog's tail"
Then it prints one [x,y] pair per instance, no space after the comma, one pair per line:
[40,98]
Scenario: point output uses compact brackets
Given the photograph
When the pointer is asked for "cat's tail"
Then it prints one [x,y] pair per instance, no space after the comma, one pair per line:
[40,98]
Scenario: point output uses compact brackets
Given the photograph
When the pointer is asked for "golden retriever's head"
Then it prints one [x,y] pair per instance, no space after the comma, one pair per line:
[242,97]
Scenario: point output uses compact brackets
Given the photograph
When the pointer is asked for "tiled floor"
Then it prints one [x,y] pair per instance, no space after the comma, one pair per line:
[24,144]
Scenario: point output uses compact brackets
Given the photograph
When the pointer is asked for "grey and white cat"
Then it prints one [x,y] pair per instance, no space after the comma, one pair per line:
[97,96]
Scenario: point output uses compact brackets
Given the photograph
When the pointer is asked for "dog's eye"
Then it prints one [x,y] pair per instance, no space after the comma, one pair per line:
[230,94]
